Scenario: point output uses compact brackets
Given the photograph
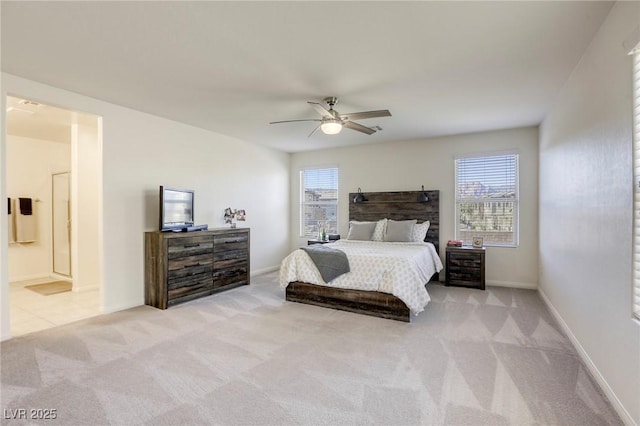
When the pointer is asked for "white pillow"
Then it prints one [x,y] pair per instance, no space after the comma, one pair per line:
[399,230]
[381,228]
[361,231]
[420,231]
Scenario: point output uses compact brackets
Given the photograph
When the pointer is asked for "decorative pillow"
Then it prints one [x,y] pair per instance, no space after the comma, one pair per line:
[399,230]
[420,231]
[378,233]
[361,231]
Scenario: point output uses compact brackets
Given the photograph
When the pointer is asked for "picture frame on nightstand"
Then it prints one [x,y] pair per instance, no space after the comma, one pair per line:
[477,242]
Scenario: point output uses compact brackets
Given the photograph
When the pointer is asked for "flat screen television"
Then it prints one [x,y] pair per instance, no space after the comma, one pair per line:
[176,208]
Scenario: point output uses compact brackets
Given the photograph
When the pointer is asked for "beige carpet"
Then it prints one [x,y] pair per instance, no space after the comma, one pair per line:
[247,357]
[53,287]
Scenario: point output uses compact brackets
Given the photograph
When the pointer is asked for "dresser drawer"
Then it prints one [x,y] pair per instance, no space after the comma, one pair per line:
[183,294]
[189,262]
[231,242]
[186,273]
[186,247]
[230,249]
[237,275]
[191,281]
[229,258]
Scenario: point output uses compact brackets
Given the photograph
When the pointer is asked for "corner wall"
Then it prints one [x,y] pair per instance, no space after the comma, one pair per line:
[586,211]
[406,165]
[86,180]
[141,152]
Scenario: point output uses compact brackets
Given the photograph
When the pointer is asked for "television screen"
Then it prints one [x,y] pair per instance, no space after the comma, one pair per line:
[176,208]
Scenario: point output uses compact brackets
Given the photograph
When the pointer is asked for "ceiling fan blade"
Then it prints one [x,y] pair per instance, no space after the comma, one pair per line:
[366,114]
[314,130]
[359,127]
[321,110]
[292,121]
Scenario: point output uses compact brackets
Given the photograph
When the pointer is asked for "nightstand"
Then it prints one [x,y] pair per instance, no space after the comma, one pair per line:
[314,241]
[465,267]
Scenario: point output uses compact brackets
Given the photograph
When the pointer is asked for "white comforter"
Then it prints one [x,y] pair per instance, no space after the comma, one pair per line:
[401,269]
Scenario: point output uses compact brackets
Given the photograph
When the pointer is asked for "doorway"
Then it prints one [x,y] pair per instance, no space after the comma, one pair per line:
[49,151]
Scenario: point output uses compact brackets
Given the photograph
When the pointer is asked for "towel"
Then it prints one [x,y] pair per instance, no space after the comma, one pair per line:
[26,206]
[11,223]
[26,222]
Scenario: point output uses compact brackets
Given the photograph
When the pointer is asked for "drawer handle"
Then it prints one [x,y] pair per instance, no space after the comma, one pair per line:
[192,245]
[230,242]
[192,265]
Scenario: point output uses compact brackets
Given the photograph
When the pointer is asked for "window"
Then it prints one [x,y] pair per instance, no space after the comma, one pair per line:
[318,201]
[636,180]
[487,199]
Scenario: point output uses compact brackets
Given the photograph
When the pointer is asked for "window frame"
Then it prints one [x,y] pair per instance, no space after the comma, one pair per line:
[304,203]
[635,259]
[515,200]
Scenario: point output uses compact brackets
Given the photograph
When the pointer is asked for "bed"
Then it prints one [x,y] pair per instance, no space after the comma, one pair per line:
[387,279]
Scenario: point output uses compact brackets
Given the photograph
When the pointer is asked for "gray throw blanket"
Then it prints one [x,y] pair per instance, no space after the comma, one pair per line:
[330,262]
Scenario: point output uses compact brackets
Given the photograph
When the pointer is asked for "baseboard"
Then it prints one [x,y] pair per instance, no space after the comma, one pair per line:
[584,356]
[29,278]
[513,284]
[264,270]
[86,288]
[60,277]
[117,308]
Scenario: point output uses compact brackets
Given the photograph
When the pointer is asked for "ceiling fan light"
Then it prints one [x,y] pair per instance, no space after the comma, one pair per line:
[331,127]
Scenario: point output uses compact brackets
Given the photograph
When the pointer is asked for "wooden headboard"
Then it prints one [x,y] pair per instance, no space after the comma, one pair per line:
[401,205]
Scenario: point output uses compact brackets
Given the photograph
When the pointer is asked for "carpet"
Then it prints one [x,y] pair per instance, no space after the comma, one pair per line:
[248,357]
[53,287]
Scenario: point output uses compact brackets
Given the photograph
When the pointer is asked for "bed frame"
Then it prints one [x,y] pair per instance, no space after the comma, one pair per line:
[402,205]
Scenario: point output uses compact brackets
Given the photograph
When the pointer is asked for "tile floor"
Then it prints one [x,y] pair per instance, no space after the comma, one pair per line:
[31,311]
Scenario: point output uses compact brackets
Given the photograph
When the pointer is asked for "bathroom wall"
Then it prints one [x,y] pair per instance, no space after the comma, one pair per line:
[31,163]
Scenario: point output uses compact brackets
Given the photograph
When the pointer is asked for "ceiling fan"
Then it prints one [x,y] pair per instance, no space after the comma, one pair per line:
[332,121]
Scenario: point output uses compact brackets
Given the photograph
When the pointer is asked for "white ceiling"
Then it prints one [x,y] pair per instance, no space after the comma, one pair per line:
[36,120]
[232,67]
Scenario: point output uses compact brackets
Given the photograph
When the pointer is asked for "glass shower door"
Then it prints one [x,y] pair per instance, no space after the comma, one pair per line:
[61,224]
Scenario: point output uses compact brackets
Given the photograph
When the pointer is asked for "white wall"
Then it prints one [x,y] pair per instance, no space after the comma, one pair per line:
[586,211]
[405,166]
[4,238]
[86,181]
[32,161]
[141,152]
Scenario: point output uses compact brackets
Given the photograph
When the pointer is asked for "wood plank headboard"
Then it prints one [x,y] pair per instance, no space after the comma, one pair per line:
[400,205]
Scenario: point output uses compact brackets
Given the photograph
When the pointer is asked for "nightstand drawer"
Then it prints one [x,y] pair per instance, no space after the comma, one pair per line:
[465,276]
[465,261]
[475,271]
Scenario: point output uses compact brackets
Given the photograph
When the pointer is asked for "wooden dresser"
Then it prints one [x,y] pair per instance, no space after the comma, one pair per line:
[181,266]
[465,267]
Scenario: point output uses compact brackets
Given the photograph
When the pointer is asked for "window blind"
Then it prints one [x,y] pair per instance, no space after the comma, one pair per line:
[487,199]
[318,201]
[636,180]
